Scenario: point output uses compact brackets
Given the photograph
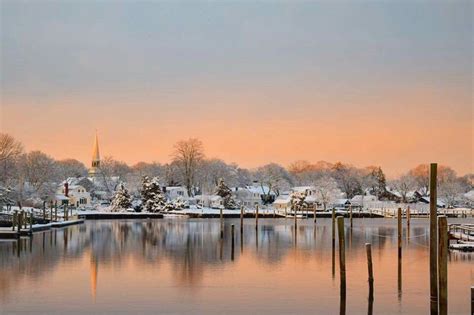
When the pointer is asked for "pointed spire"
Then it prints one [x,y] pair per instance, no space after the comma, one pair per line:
[95,152]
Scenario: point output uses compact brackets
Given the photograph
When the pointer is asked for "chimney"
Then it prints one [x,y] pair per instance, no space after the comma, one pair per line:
[66,189]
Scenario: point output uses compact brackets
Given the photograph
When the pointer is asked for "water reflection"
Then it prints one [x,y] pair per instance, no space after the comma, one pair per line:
[290,262]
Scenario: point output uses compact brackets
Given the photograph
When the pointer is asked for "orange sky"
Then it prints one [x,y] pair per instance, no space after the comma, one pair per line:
[384,83]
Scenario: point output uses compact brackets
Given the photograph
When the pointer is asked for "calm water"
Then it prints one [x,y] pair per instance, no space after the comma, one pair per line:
[182,267]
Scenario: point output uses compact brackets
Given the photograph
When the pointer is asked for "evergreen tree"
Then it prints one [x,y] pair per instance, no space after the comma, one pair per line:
[153,198]
[122,199]
[225,192]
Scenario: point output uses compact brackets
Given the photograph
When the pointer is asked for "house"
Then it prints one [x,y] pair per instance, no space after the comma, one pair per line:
[439,202]
[73,195]
[341,204]
[359,200]
[249,196]
[209,201]
[282,203]
[217,202]
[309,191]
[175,192]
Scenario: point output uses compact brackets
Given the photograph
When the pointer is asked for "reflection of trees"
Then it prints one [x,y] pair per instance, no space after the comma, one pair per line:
[190,247]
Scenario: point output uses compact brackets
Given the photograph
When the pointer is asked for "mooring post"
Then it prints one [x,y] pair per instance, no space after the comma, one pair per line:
[256,216]
[314,214]
[433,240]
[51,212]
[333,224]
[295,207]
[31,220]
[408,221]
[399,225]
[232,252]
[14,219]
[222,222]
[20,221]
[25,219]
[370,270]
[472,300]
[56,211]
[342,252]
[66,213]
[241,219]
[443,265]
[350,214]
[44,210]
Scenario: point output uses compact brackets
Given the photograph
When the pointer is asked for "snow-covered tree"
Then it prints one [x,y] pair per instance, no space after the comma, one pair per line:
[122,199]
[404,185]
[326,191]
[275,177]
[226,193]
[153,198]
[5,199]
[297,200]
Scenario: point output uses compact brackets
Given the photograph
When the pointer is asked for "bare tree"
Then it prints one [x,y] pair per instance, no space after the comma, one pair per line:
[326,190]
[71,168]
[38,175]
[211,172]
[348,178]
[187,155]
[10,151]
[275,177]
[404,185]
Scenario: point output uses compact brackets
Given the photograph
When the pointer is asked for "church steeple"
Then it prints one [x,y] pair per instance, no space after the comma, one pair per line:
[95,157]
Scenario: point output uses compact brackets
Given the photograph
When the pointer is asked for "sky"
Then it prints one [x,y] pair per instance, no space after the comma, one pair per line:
[384,83]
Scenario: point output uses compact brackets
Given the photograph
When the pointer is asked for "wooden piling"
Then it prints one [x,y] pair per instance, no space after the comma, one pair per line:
[350,214]
[333,224]
[56,211]
[44,210]
[31,220]
[221,222]
[66,213]
[256,216]
[408,222]
[399,225]
[433,240]
[342,252]
[368,248]
[241,219]
[295,207]
[20,219]
[232,249]
[14,219]
[472,300]
[314,213]
[51,212]
[443,265]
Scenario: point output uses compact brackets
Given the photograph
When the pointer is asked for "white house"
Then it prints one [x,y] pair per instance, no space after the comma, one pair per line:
[309,191]
[250,196]
[359,200]
[282,203]
[74,195]
[175,192]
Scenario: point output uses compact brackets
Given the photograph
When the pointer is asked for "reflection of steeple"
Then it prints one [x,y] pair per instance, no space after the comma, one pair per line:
[94,268]
[95,157]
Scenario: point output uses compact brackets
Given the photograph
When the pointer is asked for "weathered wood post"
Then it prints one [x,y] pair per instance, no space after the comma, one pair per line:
[56,211]
[256,216]
[368,248]
[408,221]
[472,300]
[295,207]
[232,252]
[433,240]
[25,219]
[221,222]
[342,252]
[314,214]
[241,219]
[443,265]
[51,212]
[399,225]
[66,213]
[44,210]
[333,225]
[31,220]
[350,214]
[20,221]
[14,219]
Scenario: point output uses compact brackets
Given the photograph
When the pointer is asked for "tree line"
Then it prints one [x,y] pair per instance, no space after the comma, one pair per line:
[36,175]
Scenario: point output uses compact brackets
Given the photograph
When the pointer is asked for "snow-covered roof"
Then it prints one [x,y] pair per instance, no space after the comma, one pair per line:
[341,201]
[175,188]
[61,197]
[363,198]
[282,200]
[216,198]
[302,189]
[260,190]
[310,199]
